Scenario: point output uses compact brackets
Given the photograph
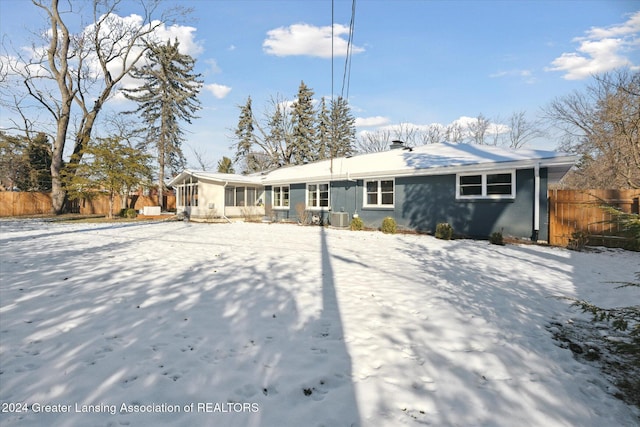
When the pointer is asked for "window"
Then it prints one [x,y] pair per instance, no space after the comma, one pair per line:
[379,193]
[230,196]
[318,195]
[486,186]
[281,197]
[188,193]
[239,196]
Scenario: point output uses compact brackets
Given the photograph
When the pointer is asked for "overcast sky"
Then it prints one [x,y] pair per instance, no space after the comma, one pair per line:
[418,62]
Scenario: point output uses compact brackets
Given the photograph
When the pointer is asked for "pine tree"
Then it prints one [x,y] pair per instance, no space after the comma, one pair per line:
[323,132]
[303,119]
[343,128]
[38,154]
[225,165]
[167,97]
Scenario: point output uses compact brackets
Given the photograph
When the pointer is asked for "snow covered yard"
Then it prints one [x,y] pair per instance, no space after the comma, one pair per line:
[185,324]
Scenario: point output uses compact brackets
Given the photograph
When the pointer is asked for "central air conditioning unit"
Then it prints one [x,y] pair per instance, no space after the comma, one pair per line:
[339,219]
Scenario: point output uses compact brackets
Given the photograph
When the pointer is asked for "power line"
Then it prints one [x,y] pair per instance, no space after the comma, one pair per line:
[346,76]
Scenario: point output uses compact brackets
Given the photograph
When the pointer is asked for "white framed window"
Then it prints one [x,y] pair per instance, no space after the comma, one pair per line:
[379,193]
[281,197]
[318,196]
[486,185]
[187,193]
[240,196]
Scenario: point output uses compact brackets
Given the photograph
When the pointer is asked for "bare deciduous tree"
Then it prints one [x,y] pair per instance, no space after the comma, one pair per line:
[522,130]
[80,68]
[477,129]
[602,124]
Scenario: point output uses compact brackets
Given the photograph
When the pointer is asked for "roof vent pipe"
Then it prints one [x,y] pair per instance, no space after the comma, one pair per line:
[395,144]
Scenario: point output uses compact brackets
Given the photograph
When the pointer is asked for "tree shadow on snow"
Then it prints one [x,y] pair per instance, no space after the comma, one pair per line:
[215,335]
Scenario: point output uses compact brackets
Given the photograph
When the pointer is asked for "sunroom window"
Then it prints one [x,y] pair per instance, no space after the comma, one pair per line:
[239,196]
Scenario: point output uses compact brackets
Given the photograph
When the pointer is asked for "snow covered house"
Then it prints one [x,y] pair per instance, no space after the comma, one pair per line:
[477,189]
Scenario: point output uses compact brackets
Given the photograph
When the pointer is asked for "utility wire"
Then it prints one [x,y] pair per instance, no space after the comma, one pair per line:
[346,76]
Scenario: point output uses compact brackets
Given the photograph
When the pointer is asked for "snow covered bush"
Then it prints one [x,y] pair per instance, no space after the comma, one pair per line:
[389,225]
[356,224]
[444,231]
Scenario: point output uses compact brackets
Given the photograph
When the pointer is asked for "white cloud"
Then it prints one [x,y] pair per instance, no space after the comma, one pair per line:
[601,50]
[185,36]
[219,91]
[308,40]
[213,65]
[525,75]
[371,121]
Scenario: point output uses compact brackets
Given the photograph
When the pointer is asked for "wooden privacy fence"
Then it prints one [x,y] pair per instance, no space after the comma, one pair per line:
[571,211]
[34,203]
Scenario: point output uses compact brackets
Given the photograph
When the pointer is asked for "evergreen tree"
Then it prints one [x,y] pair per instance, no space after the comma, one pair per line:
[343,128]
[167,97]
[303,120]
[225,165]
[323,132]
[245,138]
[14,168]
[38,155]
[25,164]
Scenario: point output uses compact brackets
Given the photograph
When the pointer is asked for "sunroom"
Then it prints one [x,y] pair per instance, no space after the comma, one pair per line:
[209,196]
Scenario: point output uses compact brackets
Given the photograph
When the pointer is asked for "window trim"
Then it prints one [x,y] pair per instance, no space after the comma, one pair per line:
[187,193]
[273,197]
[237,202]
[318,208]
[379,204]
[484,186]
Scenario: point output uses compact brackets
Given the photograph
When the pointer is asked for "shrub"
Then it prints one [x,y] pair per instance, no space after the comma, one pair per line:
[496,238]
[578,240]
[444,231]
[389,225]
[128,213]
[304,216]
[356,224]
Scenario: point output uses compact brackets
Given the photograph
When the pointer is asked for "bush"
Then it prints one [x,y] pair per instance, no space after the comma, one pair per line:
[389,225]
[444,231]
[578,241]
[356,224]
[128,213]
[496,238]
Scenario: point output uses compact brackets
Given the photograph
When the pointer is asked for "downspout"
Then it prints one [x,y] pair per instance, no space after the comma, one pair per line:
[355,196]
[536,202]
[224,206]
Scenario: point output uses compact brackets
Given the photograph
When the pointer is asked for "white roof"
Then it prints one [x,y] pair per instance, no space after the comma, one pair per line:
[222,178]
[430,159]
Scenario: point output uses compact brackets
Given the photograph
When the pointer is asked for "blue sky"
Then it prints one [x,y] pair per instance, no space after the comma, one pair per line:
[414,62]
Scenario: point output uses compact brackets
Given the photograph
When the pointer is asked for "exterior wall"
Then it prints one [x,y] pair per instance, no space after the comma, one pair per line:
[423,202]
[210,202]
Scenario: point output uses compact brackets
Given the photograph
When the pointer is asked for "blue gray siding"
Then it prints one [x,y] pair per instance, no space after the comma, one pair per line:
[424,201]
